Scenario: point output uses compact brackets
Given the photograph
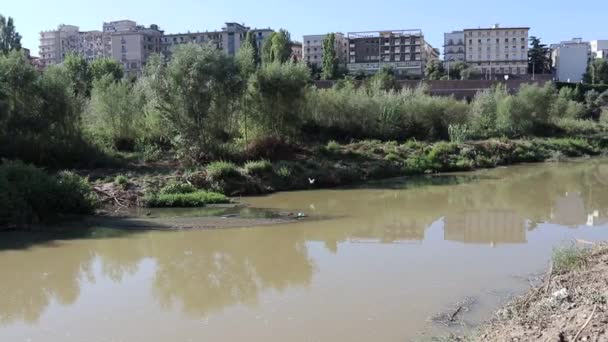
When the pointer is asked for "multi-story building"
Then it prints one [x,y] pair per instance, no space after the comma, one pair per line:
[133,44]
[312,48]
[496,51]
[599,49]
[570,59]
[454,47]
[296,51]
[405,51]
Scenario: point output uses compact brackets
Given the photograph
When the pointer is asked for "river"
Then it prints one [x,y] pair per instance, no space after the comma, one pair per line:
[374,262]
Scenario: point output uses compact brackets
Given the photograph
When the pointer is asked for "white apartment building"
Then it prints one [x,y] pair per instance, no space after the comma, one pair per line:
[312,48]
[570,59]
[54,45]
[599,48]
[454,47]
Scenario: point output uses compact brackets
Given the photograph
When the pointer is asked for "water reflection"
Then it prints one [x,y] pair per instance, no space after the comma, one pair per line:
[203,272]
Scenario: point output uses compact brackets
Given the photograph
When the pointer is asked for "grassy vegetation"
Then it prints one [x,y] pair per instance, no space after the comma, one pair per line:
[566,259]
[197,198]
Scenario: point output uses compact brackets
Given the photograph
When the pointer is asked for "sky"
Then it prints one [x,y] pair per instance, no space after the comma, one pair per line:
[552,20]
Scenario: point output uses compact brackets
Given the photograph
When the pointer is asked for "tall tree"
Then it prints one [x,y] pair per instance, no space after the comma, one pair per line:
[245,59]
[597,72]
[539,57]
[9,38]
[330,59]
[434,70]
[277,47]
[79,73]
[251,41]
[101,67]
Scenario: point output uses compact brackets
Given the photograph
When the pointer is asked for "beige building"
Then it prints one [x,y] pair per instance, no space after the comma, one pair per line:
[296,51]
[405,51]
[495,52]
[312,49]
[133,44]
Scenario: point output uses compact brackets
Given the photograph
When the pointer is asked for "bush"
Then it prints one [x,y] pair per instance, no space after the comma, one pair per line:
[221,169]
[177,188]
[121,181]
[258,168]
[269,147]
[567,258]
[184,200]
[30,195]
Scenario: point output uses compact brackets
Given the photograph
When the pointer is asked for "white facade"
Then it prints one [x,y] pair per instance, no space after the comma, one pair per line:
[312,48]
[570,59]
[494,52]
[454,47]
[599,48]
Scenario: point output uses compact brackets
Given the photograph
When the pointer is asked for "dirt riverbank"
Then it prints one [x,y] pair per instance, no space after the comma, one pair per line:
[570,304]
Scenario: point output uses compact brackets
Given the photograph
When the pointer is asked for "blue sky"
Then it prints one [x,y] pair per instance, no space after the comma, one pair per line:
[551,20]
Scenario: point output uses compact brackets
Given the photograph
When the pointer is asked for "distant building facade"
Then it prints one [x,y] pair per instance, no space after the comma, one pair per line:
[454,47]
[133,44]
[497,51]
[312,49]
[296,51]
[405,51]
[570,60]
[599,49]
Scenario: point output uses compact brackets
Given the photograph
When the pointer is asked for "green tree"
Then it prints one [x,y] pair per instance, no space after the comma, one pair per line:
[597,72]
[330,59]
[79,73]
[457,70]
[246,59]
[251,41]
[277,47]
[197,92]
[434,70]
[9,37]
[277,93]
[539,57]
[101,67]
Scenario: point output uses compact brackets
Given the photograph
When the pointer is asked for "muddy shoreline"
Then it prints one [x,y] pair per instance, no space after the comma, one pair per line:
[567,305]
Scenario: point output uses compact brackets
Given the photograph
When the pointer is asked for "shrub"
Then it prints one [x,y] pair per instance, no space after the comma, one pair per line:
[332,146]
[258,168]
[184,200]
[177,188]
[269,147]
[221,170]
[30,195]
[458,133]
[121,181]
[283,171]
[567,258]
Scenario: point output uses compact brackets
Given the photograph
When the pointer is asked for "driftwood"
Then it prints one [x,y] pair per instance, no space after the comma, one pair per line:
[586,323]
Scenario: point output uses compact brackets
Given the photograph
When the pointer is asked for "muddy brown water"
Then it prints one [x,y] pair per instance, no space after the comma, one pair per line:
[372,263]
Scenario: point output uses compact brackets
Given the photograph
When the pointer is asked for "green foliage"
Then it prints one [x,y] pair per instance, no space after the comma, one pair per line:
[196,93]
[332,146]
[458,70]
[30,195]
[330,58]
[184,200]
[101,67]
[177,188]
[79,73]
[258,167]
[539,57]
[434,70]
[597,72]
[114,114]
[10,39]
[458,133]
[121,181]
[566,259]
[277,47]
[283,171]
[221,169]
[276,96]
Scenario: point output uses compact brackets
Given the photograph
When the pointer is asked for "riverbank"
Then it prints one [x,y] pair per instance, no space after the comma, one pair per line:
[332,165]
[570,304]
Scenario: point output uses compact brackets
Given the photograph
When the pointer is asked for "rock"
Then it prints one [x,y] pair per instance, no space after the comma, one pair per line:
[560,295]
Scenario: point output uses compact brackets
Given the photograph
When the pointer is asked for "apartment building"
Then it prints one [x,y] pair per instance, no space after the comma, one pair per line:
[312,48]
[454,47]
[495,52]
[133,44]
[405,51]
[296,51]
[599,49]
[229,39]
[570,59]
